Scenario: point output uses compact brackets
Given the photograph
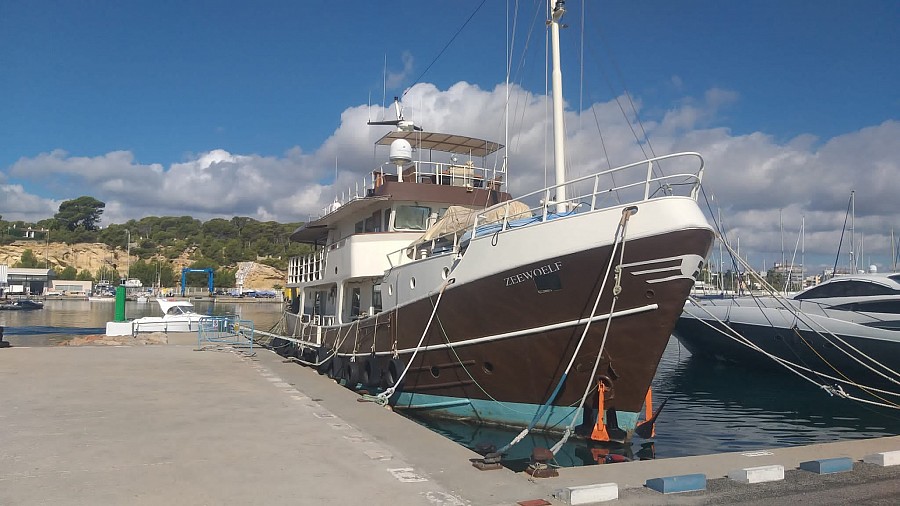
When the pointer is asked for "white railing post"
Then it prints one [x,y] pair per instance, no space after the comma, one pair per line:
[647,181]
[505,216]
[546,203]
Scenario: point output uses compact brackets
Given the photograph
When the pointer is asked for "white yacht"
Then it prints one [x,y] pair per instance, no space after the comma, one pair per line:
[845,331]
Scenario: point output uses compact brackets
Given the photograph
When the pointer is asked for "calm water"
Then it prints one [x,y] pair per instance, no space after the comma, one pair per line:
[712,408]
[62,319]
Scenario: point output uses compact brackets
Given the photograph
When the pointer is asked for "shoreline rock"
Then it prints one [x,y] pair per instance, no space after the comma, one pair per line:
[152,338]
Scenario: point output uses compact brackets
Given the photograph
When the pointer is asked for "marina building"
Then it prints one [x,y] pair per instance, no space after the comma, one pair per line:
[22,281]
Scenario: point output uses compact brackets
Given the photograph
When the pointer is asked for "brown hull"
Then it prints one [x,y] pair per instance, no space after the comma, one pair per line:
[526,368]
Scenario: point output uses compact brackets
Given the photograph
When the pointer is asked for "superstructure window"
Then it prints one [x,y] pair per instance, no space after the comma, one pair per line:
[845,289]
[354,302]
[876,306]
[376,298]
[412,217]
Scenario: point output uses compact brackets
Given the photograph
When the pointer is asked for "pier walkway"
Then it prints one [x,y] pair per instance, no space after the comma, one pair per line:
[166,424]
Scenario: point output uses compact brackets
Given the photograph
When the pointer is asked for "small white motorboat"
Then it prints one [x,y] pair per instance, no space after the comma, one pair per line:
[178,316]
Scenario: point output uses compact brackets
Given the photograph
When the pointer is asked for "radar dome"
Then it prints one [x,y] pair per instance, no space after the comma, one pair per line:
[873,269]
[401,152]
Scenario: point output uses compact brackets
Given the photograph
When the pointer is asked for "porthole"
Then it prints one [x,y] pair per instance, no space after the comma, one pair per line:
[649,294]
[445,273]
[488,367]
[335,270]
[390,289]
[412,283]
[435,371]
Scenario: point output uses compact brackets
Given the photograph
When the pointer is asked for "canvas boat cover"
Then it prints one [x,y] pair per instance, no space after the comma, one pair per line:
[457,219]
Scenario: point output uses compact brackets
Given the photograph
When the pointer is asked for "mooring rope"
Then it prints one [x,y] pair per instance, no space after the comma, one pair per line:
[383,397]
[617,238]
[617,289]
[790,366]
[813,324]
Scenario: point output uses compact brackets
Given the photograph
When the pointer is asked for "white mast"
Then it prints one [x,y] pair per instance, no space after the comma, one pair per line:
[781,225]
[557,9]
[893,253]
[802,251]
[852,233]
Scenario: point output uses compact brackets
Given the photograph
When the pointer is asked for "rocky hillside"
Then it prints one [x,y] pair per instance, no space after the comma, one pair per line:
[92,256]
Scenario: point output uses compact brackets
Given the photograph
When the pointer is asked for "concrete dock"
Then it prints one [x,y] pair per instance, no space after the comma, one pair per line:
[167,424]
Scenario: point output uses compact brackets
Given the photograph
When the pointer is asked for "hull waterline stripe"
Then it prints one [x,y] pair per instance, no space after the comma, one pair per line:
[495,337]
[517,333]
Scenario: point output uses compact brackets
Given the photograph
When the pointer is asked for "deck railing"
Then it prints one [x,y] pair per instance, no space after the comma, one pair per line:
[592,192]
[465,174]
[306,268]
[624,185]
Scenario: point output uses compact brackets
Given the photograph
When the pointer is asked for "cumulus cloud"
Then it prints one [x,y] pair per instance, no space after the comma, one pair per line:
[757,182]
[17,204]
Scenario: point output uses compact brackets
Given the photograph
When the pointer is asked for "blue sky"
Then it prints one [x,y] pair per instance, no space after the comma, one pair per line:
[144,104]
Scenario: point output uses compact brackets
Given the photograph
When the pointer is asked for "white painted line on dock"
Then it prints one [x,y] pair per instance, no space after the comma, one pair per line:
[444,499]
[299,397]
[323,415]
[406,475]
[274,379]
[282,384]
[378,455]
[356,439]
[339,426]
[758,453]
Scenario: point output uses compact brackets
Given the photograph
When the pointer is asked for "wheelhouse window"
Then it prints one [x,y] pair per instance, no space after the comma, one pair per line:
[411,217]
[373,223]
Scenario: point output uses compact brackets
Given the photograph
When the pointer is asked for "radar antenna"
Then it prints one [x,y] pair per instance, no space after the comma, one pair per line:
[401,124]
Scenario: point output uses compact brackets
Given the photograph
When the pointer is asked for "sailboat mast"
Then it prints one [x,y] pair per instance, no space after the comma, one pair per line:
[802,251]
[557,9]
[852,232]
[893,253]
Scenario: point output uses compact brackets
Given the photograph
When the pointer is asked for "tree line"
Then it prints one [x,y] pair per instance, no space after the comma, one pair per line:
[217,243]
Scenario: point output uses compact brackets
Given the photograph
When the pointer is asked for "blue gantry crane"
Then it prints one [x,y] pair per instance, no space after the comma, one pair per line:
[184,272]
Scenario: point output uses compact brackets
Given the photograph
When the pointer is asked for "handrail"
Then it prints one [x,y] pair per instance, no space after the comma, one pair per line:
[574,202]
[441,173]
[547,193]
[542,212]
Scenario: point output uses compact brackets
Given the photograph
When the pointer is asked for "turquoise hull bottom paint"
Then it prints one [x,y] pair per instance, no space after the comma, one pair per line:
[512,414]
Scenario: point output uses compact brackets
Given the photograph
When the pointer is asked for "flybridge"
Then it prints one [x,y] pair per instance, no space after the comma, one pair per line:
[449,171]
